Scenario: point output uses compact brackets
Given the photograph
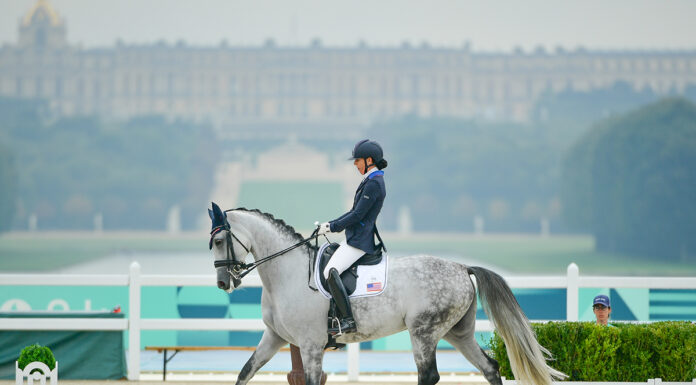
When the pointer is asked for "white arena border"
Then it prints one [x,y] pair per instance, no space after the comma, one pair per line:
[134,324]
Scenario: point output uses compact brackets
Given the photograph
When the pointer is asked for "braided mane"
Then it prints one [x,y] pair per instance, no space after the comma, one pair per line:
[278,223]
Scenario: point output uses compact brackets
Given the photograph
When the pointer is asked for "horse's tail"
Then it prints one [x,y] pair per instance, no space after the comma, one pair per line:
[527,357]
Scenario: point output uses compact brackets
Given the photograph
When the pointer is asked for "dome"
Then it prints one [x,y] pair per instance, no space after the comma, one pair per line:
[40,12]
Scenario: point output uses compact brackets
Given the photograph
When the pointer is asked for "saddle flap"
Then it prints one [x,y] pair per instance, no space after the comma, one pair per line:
[348,277]
[371,280]
[326,255]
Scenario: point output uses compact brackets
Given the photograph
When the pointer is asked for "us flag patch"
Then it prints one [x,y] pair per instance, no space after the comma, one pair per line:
[375,286]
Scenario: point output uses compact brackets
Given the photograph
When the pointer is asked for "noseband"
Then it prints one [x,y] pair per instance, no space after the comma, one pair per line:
[234,266]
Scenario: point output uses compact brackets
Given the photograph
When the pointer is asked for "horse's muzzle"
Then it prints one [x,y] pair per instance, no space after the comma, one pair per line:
[226,285]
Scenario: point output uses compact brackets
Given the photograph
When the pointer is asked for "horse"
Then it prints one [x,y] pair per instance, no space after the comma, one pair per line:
[432,297]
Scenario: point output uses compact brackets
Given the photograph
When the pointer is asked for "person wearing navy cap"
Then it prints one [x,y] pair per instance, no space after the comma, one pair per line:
[360,226]
[602,309]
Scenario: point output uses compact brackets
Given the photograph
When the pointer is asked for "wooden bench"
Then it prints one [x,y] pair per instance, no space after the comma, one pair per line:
[178,349]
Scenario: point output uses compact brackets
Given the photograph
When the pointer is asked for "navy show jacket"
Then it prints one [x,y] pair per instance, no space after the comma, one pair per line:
[359,222]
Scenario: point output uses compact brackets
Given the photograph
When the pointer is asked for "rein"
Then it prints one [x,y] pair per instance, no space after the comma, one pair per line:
[240,269]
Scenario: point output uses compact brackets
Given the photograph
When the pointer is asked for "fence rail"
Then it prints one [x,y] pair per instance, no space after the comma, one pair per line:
[134,324]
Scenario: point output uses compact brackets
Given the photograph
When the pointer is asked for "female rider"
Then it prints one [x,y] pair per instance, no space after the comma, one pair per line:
[359,224]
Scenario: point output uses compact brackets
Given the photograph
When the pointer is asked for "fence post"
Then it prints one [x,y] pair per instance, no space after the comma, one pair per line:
[134,322]
[572,292]
[353,362]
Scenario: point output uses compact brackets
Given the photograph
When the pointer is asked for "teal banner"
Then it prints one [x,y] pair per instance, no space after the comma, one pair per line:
[209,302]
[80,354]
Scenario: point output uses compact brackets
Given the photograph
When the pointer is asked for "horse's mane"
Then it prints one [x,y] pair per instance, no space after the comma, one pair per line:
[278,223]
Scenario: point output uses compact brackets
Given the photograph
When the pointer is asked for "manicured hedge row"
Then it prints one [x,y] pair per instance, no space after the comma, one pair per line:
[586,351]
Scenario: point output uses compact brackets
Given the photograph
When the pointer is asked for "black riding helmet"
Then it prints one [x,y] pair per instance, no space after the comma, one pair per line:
[367,148]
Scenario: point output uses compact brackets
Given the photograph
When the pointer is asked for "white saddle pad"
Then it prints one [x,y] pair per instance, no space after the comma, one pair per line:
[372,280]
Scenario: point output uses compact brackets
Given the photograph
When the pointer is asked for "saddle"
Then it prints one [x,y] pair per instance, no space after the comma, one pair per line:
[350,276]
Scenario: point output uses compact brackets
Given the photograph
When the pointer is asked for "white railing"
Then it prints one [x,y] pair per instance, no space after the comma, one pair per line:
[135,281]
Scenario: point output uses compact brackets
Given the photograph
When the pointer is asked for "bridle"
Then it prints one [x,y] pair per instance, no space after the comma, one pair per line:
[234,266]
[238,269]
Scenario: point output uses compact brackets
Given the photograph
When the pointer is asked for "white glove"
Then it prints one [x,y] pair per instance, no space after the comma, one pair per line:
[324,228]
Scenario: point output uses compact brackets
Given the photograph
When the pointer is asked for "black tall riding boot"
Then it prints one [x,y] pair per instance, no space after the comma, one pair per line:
[345,323]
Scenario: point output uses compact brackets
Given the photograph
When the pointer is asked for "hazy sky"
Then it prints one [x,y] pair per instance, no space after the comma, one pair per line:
[487,24]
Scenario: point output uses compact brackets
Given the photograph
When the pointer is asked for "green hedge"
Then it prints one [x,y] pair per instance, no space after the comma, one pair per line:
[586,351]
[36,353]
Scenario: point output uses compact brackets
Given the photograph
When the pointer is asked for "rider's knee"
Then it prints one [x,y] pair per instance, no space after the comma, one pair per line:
[327,271]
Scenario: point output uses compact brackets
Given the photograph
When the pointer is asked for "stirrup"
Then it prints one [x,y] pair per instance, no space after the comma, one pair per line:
[336,322]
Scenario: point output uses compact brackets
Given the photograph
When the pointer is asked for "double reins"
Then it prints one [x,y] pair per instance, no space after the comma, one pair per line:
[240,269]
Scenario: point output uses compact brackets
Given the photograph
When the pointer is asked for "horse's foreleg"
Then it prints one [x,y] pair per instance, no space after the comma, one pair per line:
[268,347]
[424,355]
[424,338]
[312,357]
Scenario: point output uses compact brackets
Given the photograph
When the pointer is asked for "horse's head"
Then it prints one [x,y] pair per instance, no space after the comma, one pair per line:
[229,248]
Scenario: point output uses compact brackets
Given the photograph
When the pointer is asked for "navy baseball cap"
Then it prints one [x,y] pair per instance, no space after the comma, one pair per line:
[601,300]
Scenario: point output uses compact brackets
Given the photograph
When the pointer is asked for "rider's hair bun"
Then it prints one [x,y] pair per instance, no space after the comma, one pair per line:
[381,164]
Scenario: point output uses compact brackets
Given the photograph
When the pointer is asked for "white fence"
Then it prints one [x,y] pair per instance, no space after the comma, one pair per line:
[572,281]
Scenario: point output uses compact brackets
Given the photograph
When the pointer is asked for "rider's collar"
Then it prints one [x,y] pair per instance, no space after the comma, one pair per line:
[370,172]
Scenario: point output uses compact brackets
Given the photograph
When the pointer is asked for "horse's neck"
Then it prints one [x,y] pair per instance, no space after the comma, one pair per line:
[285,270]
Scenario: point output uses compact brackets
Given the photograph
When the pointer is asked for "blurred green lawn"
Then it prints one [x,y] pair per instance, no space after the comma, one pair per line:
[48,251]
[532,254]
[514,254]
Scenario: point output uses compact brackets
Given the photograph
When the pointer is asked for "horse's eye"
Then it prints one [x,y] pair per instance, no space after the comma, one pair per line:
[218,242]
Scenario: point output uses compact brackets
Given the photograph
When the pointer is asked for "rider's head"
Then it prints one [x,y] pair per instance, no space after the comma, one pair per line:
[367,154]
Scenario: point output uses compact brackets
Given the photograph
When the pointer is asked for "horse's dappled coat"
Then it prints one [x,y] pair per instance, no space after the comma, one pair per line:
[431,297]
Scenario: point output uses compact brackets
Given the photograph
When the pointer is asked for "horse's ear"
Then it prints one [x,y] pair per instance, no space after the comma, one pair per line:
[210,214]
[218,216]
[217,212]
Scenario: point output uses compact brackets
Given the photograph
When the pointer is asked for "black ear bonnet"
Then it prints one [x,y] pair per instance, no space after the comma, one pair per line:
[219,220]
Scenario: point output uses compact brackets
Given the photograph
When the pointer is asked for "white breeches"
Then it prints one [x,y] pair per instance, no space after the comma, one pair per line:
[342,258]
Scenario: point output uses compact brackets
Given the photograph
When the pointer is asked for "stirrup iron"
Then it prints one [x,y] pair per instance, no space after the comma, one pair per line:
[334,322]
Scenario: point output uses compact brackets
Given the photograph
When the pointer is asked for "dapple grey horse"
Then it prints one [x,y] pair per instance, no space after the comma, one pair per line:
[431,297]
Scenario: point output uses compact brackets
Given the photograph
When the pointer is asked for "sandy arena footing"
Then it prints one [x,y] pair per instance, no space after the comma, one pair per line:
[183,378]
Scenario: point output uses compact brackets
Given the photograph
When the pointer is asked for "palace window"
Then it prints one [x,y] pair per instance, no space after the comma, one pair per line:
[38,83]
[59,87]
[232,86]
[80,88]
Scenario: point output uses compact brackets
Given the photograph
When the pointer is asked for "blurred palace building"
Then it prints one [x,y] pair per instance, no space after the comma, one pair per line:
[261,91]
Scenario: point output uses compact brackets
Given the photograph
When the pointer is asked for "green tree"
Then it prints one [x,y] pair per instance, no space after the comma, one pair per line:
[631,181]
[572,111]
[449,170]
[131,172]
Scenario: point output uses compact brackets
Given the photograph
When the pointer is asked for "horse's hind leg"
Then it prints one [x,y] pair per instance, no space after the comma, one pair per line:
[268,347]
[462,337]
